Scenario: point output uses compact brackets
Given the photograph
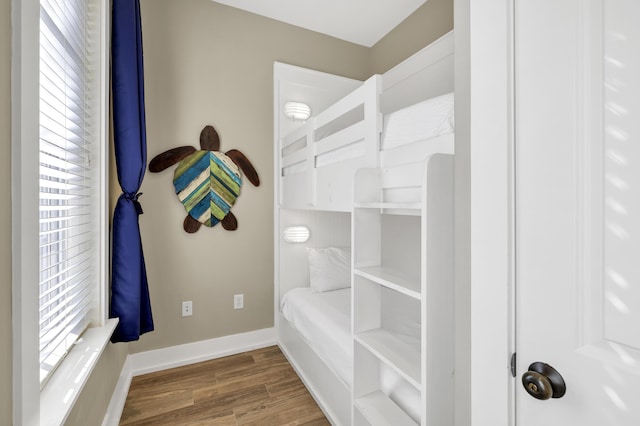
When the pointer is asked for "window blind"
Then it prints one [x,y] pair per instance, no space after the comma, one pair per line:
[69,179]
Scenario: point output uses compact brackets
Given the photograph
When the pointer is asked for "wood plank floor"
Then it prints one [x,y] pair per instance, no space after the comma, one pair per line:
[252,388]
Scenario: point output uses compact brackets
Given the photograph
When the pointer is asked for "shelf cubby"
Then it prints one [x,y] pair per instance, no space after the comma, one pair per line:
[403,357]
[402,227]
[378,409]
[391,278]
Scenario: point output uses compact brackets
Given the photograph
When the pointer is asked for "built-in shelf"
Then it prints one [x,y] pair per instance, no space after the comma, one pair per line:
[393,351]
[403,271]
[395,206]
[392,279]
[378,409]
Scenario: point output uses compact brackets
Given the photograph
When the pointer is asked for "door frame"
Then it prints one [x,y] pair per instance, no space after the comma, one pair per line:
[485,285]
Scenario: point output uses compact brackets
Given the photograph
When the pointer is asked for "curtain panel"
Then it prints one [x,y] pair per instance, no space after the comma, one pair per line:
[129,287]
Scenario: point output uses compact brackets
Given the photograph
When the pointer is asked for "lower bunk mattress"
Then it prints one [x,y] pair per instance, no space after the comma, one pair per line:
[324,321]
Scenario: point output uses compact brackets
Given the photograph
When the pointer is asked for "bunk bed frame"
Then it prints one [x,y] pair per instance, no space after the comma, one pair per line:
[315,163]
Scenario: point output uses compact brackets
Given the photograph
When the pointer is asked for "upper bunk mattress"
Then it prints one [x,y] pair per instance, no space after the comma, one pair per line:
[419,122]
[422,121]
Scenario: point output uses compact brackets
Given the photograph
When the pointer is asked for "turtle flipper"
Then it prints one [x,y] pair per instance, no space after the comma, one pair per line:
[229,222]
[191,225]
[209,139]
[245,165]
[169,158]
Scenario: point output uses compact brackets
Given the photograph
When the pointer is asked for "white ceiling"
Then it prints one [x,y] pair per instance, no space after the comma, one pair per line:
[362,22]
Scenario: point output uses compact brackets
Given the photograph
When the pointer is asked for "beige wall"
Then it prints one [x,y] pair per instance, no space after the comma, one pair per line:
[462,224]
[429,22]
[5,213]
[206,63]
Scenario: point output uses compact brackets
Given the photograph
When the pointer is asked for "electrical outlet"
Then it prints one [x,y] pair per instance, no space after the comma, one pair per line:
[238,301]
[187,308]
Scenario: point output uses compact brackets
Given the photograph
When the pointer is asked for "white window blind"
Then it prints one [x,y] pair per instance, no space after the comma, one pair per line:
[69,175]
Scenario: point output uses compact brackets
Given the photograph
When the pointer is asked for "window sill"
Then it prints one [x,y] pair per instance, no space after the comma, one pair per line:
[61,392]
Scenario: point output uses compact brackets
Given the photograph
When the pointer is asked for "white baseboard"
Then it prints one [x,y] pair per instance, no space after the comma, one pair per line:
[119,396]
[176,356]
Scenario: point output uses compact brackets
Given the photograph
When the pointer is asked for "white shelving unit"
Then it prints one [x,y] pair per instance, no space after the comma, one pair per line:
[402,233]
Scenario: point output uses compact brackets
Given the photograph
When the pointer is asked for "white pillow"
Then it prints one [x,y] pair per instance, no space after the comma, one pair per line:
[329,268]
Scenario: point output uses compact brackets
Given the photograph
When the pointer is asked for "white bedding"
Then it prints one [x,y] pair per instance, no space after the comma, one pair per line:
[324,320]
[419,122]
[424,120]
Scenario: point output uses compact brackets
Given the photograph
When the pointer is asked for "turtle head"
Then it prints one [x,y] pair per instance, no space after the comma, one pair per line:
[209,139]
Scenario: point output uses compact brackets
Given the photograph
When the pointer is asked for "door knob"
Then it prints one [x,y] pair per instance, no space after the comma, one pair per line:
[542,381]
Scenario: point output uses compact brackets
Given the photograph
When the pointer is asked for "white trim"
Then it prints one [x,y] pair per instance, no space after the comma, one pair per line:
[437,50]
[24,214]
[62,390]
[28,400]
[189,353]
[491,228]
[119,396]
[278,71]
[177,356]
[105,43]
[484,210]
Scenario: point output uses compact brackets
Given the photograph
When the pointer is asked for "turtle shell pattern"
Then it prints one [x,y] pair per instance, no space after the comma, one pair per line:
[207,183]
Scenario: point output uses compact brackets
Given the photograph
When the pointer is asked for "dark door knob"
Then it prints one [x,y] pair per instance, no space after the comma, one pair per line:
[542,381]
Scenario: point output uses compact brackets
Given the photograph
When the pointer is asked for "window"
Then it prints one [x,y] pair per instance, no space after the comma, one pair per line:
[59,203]
[69,178]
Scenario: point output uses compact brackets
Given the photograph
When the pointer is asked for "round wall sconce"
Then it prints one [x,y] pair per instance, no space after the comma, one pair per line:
[296,234]
[297,110]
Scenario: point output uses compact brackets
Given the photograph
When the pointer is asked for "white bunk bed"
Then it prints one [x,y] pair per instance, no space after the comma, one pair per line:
[387,131]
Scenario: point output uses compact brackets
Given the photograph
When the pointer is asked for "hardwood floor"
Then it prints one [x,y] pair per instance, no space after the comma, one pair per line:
[252,388]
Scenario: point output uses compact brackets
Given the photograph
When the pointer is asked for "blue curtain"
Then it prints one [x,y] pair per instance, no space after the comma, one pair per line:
[129,286]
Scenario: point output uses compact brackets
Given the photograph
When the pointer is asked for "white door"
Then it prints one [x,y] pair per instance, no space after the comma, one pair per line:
[577,110]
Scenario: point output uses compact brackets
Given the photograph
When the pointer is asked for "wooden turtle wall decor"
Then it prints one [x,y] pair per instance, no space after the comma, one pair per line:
[207,181]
